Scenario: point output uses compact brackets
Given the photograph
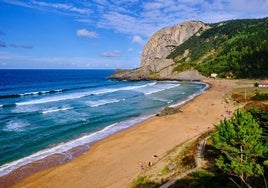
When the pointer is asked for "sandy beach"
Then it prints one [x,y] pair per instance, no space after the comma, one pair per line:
[115,161]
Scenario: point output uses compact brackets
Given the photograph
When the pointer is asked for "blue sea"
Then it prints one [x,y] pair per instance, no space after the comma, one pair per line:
[46,112]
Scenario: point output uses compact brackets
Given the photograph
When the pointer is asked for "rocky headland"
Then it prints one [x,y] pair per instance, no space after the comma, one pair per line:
[154,62]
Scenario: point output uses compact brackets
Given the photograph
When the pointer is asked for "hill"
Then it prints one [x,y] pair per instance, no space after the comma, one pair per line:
[192,50]
[236,48]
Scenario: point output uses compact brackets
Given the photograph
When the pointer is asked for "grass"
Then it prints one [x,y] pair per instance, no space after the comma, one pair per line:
[246,94]
[182,157]
[165,170]
[144,182]
[176,161]
[204,179]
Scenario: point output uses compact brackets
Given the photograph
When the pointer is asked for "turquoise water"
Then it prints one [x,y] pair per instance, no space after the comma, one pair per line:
[43,112]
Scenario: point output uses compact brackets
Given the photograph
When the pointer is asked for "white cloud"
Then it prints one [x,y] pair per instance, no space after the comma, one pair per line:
[10,60]
[115,53]
[142,18]
[130,50]
[86,33]
[138,40]
[51,7]
[145,18]
[61,6]
[18,3]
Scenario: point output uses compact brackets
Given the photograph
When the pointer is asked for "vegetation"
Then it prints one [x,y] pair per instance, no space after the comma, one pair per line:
[204,179]
[144,182]
[169,111]
[249,94]
[236,155]
[178,160]
[261,116]
[215,177]
[260,96]
[236,48]
[240,144]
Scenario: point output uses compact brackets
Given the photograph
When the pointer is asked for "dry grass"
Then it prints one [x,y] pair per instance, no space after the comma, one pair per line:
[178,160]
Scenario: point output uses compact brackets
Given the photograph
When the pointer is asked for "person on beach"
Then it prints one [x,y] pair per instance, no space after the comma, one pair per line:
[141,165]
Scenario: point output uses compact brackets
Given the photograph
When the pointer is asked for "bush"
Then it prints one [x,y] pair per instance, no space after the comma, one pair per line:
[144,182]
[168,111]
[260,96]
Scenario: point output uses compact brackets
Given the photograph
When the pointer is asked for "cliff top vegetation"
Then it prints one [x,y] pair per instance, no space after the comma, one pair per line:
[235,49]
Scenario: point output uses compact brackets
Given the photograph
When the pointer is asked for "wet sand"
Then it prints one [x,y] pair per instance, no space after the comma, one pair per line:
[115,161]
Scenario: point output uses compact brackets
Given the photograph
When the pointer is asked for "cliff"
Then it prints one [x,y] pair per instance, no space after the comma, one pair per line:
[154,62]
[187,51]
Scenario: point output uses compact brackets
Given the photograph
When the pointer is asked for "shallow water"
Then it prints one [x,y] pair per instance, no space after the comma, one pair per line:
[49,112]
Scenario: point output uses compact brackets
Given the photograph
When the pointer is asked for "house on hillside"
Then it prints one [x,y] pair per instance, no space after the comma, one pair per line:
[263,83]
[213,75]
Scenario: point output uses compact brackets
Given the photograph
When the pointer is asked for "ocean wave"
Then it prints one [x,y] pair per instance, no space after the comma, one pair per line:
[42,92]
[67,146]
[81,94]
[9,96]
[163,100]
[53,110]
[16,126]
[103,102]
[31,94]
[25,109]
[158,88]
[127,88]
[190,97]
[8,105]
[53,99]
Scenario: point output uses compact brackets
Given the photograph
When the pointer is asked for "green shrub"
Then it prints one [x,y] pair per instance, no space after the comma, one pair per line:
[144,182]
[168,111]
[260,96]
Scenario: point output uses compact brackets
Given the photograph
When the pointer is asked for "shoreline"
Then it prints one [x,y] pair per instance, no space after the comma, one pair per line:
[20,169]
[36,177]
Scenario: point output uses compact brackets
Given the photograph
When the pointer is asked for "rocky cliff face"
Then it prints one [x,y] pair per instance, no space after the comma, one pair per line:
[154,64]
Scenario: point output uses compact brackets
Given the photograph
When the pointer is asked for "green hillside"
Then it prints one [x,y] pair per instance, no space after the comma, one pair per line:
[235,48]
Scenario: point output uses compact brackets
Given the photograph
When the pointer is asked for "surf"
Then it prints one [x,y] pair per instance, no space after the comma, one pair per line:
[67,146]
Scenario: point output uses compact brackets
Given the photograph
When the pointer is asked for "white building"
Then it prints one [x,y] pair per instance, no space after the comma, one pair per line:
[263,83]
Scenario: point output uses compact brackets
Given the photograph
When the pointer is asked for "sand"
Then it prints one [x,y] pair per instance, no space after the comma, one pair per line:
[115,161]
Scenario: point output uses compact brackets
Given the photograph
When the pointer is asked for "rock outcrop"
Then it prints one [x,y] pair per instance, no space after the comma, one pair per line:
[154,62]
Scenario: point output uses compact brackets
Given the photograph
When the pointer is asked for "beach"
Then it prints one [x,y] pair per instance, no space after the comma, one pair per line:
[115,161]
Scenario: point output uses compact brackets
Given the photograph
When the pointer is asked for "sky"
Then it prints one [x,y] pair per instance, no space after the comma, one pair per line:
[99,34]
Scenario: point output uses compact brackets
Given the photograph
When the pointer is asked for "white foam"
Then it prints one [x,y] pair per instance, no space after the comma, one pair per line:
[80,95]
[158,88]
[41,92]
[53,110]
[30,93]
[190,97]
[52,99]
[163,100]
[86,139]
[103,91]
[103,102]
[24,109]
[63,147]
[16,125]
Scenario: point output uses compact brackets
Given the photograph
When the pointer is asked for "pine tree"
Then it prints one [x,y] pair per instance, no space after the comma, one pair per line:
[240,144]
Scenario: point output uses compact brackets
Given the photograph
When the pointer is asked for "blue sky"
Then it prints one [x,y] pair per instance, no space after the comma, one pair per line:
[94,34]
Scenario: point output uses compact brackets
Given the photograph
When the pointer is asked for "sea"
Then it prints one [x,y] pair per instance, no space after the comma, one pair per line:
[63,112]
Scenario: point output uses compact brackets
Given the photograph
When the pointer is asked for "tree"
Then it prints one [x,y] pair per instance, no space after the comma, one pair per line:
[240,144]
